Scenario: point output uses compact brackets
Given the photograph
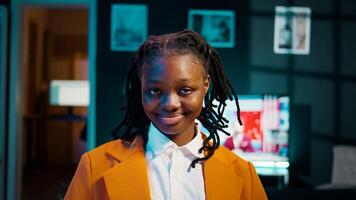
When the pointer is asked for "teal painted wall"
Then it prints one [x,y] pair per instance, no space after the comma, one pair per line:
[325,79]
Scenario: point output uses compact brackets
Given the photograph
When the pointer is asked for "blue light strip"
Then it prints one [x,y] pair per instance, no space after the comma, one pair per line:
[271,164]
[3,60]
[14,117]
[91,123]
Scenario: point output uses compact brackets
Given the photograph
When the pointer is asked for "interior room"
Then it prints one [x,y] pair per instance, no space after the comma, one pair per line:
[64,66]
[53,131]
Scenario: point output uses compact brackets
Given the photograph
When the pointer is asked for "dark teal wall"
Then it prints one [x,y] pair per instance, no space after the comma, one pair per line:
[6,2]
[163,17]
[324,80]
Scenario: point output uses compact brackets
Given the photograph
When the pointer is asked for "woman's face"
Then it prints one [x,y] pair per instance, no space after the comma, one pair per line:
[173,89]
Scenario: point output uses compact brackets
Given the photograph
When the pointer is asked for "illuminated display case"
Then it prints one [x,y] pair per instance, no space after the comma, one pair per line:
[263,138]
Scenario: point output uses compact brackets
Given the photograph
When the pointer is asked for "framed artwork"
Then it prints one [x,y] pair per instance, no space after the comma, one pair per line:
[216,26]
[292,30]
[128,26]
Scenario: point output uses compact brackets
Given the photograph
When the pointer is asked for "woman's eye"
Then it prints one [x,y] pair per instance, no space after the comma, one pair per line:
[154,91]
[185,91]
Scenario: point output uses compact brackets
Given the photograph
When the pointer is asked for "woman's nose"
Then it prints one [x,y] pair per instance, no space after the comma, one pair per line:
[170,102]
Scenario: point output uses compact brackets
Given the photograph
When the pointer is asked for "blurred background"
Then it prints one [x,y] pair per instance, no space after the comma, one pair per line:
[63,65]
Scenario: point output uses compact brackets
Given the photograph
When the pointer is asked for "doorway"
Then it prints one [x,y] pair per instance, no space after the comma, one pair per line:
[15,134]
[53,133]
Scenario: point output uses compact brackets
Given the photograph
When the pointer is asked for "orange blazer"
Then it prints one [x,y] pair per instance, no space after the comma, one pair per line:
[118,170]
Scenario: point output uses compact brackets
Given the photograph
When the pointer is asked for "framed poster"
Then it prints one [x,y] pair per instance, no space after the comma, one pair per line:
[292,30]
[128,26]
[216,26]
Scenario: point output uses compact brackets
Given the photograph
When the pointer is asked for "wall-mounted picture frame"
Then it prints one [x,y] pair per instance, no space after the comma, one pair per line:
[216,26]
[128,26]
[292,30]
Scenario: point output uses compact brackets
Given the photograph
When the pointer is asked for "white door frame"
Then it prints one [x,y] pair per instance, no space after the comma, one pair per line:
[14,163]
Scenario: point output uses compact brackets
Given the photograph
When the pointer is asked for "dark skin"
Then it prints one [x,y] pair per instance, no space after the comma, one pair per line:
[173,90]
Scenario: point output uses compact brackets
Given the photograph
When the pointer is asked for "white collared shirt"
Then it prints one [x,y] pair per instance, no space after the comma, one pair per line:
[169,171]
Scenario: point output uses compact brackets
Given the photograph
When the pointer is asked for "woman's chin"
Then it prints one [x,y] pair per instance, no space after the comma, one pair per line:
[168,130]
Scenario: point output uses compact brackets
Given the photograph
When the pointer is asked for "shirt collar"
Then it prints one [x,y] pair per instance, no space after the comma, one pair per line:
[194,145]
[159,143]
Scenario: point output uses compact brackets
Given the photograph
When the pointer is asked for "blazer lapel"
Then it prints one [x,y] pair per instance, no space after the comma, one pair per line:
[220,181]
[128,178]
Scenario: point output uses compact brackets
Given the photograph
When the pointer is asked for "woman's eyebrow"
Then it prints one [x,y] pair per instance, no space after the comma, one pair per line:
[152,80]
[182,80]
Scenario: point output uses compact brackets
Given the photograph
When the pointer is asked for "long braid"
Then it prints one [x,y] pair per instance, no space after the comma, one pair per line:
[136,123]
[185,42]
[213,119]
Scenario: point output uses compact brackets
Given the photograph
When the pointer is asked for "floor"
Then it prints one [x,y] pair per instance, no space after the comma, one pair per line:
[46,182]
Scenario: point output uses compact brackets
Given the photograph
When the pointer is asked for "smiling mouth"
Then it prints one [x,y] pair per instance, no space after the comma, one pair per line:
[170,120]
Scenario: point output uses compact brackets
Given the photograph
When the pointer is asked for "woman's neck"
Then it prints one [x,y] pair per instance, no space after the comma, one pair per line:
[181,139]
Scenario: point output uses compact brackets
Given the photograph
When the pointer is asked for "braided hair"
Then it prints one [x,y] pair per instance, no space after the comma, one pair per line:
[186,42]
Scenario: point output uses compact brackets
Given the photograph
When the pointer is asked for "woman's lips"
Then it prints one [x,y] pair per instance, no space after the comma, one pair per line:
[170,120]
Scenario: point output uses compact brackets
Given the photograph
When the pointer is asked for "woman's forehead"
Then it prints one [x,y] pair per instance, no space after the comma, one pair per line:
[154,57]
[183,66]
[188,59]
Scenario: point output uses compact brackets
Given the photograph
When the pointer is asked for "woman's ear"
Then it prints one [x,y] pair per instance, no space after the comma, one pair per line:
[206,83]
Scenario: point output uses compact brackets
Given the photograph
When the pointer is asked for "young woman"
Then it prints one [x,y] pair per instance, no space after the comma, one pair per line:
[161,153]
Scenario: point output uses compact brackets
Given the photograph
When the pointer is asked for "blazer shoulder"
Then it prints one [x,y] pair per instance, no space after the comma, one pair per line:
[244,169]
[117,150]
[102,149]
[230,158]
